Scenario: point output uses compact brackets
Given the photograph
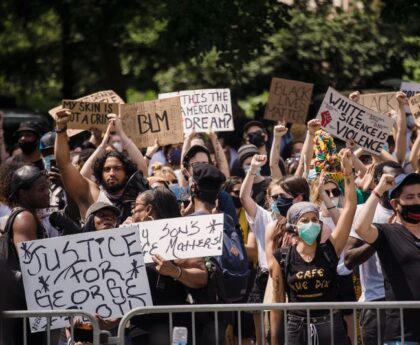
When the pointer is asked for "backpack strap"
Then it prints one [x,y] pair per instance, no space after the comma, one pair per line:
[285,266]
[8,251]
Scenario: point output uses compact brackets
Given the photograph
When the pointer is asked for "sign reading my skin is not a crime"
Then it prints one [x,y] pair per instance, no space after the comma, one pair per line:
[349,120]
[204,110]
[100,272]
[147,121]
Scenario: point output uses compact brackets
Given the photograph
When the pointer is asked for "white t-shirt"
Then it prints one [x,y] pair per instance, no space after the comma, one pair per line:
[257,226]
[371,278]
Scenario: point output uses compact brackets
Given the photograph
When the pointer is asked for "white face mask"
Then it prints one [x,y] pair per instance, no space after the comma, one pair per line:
[335,201]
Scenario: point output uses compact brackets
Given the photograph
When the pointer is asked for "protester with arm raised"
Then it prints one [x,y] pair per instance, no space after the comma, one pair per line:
[219,153]
[308,148]
[278,132]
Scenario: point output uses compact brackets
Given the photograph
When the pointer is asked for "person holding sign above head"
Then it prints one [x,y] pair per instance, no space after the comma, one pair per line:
[308,272]
[118,178]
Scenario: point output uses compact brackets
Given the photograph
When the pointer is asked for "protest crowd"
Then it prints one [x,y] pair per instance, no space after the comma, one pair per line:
[325,210]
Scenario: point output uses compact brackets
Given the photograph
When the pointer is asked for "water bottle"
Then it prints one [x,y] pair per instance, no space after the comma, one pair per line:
[179,336]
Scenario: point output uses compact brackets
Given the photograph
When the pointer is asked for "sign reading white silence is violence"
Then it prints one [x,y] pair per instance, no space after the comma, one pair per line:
[99,272]
[183,237]
[348,120]
[204,110]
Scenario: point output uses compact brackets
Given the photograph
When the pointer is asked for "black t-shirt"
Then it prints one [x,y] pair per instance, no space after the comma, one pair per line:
[399,252]
[314,281]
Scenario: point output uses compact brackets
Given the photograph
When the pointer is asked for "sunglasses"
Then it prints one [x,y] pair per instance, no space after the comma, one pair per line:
[276,196]
[236,192]
[335,192]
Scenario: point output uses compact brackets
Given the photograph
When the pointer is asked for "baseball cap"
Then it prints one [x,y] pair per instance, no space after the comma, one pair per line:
[401,180]
[30,126]
[246,151]
[193,150]
[253,123]
[47,141]
[208,177]
[100,205]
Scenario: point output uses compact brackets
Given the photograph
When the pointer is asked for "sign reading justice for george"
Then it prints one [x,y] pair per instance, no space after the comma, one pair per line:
[349,120]
[100,272]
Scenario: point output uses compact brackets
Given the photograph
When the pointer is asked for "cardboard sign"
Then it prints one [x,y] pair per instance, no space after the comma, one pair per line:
[414,103]
[204,110]
[380,102]
[161,119]
[182,238]
[349,120]
[86,115]
[288,100]
[99,272]
[107,96]
[410,89]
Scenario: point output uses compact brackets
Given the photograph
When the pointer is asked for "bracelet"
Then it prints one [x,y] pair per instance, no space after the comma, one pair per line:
[148,157]
[376,194]
[179,273]
[330,208]
[60,130]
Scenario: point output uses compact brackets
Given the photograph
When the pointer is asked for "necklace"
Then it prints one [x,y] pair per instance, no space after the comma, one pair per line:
[307,257]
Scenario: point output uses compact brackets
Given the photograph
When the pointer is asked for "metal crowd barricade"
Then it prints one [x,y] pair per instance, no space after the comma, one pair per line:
[261,308]
[25,314]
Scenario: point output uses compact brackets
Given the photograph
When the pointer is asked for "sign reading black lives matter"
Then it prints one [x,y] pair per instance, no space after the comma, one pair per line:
[204,110]
[86,115]
[349,120]
[99,272]
[182,238]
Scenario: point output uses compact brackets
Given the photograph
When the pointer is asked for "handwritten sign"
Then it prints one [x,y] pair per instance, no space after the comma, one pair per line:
[410,89]
[414,103]
[106,96]
[86,115]
[203,110]
[99,272]
[349,120]
[182,238]
[380,102]
[146,121]
[288,100]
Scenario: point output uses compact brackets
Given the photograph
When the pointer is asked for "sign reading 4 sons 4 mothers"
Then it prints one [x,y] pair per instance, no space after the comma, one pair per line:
[99,272]
[182,238]
[204,110]
[349,120]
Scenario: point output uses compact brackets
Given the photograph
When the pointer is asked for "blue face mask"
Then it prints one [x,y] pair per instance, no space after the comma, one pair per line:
[309,232]
[248,167]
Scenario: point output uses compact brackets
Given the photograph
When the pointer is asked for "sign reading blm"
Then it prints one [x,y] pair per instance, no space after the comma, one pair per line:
[288,100]
[182,238]
[381,102]
[99,272]
[348,120]
[86,115]
[415,105]
[147,121]
[204,110]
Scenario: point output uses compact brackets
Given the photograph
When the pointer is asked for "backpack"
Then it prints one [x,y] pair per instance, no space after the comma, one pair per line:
[230,272]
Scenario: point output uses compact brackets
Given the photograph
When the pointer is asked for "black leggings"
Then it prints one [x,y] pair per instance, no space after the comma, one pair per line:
[319,328]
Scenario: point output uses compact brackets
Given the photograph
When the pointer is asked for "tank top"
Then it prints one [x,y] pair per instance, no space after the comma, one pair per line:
[314,281]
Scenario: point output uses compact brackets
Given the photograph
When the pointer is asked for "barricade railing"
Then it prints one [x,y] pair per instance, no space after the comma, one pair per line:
[71,314]
[261,308]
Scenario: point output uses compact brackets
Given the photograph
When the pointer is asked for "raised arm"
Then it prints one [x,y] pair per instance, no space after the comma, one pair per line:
[133,152]
[341,233]
[221,159]
[363,225]
[279,296]
[185,147]
[87,169]
[401,133]
[308,148]
[80,189]
[278,132]
[245,194]
[415,150]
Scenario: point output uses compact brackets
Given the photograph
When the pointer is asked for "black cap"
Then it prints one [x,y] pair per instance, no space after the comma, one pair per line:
[30,126]
[401,180]
[100,205]
[208,177]
[246,151]
[24,177]
[253,123]
[47,141]
[193,151]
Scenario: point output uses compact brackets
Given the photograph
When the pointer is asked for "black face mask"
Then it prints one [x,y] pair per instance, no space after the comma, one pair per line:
[236,202]
[283,205]
[256,139]
[410,213]
[28,147]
